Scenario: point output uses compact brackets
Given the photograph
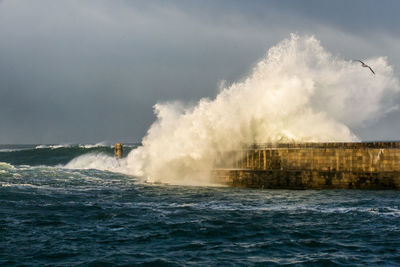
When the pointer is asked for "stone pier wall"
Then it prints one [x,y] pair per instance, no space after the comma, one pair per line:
[372,165]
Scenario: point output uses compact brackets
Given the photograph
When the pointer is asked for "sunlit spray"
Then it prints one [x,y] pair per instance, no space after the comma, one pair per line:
[298,93]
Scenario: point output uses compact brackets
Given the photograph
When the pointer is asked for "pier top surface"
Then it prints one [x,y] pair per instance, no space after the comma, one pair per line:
[384,144]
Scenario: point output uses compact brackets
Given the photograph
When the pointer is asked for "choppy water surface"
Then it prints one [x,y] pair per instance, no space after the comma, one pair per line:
[57,216]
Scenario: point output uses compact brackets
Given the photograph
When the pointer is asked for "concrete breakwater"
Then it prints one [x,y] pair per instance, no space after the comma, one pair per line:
[352,165]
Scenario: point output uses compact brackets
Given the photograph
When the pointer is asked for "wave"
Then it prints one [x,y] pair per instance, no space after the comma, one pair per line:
[57,146]
[88,146]
[298,93]
[53,155]
[5,166]
[94,146]
[51,146]
[98,161]
[6,150]
[288,208]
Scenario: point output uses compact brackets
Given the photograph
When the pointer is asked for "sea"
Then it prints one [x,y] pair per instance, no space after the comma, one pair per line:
[54,216]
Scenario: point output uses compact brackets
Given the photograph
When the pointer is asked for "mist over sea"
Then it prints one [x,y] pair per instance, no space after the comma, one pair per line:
[53,215]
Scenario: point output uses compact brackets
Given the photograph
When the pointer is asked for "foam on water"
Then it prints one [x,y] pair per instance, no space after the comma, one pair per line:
[52,146]
[5,166]
[98,161]
[100,144]
[298,93]
[56,146]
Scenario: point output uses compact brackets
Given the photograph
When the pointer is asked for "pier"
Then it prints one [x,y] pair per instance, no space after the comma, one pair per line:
[333,165]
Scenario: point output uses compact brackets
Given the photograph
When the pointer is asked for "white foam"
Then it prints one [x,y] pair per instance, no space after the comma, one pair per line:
[100,144]
[56,146]
[299,92]
[5,166]
[98,161]
[53,146]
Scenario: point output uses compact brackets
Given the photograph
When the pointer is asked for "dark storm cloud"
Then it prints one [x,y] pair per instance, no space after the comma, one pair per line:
[87,71]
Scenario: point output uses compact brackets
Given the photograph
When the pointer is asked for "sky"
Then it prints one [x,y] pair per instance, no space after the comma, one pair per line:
[86,71]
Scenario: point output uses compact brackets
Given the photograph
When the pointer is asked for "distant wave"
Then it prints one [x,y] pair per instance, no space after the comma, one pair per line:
[101,144]
[56,154]
[51,146]
[4,150]
[57,146]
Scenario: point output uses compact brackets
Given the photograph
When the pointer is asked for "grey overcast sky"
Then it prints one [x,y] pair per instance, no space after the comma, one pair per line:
[85,71]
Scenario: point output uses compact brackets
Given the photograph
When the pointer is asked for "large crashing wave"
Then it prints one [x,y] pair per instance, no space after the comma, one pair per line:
[298,93]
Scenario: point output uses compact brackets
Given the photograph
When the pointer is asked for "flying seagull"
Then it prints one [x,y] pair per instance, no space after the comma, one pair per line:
[364,65]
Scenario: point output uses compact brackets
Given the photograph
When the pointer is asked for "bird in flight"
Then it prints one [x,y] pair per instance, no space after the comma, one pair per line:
[364,65]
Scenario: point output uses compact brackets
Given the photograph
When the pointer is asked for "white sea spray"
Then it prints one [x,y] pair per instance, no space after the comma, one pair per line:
[298,93]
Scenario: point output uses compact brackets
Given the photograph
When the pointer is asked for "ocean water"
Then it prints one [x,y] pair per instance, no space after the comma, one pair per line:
[51,215]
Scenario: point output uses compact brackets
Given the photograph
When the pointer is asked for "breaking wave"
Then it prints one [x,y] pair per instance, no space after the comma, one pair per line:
[98,161]
[101,144]
[5,166]
[298,93]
